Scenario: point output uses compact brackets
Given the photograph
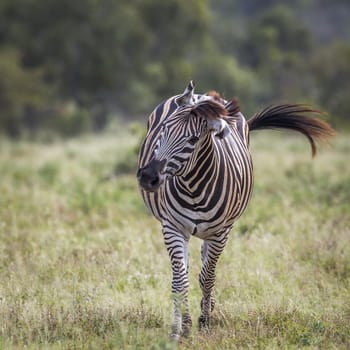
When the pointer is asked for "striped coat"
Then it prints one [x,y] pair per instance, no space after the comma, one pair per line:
[197,202]
[196,177]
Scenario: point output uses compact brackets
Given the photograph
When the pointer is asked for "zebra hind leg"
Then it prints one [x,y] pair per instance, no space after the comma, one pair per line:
[177,248]
[186,317]
[204,250]
[211,251]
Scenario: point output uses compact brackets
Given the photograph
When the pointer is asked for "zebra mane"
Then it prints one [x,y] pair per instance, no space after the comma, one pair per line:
[216,96]
[232,107]
[210,109]
[217,107]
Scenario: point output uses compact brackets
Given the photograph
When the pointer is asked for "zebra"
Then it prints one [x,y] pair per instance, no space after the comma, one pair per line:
[195,174]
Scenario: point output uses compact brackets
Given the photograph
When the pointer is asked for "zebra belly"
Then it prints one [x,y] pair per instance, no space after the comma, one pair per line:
[203,225]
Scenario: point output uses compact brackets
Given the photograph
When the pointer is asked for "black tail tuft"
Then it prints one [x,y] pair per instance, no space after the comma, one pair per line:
[295,117]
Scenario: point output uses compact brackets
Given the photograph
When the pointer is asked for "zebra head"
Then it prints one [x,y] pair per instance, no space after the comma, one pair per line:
[182,132]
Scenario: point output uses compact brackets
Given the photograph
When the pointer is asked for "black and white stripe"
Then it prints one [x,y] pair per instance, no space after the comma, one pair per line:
[196,177]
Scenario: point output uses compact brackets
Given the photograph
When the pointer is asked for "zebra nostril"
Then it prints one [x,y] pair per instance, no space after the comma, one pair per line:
[155,181]
[148,180]
[150,177]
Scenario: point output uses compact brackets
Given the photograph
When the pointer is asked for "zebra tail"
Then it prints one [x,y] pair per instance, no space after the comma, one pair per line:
[295,117]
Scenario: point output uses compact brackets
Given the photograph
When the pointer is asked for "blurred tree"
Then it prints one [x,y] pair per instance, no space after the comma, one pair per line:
[277,46]
[23,94]
[85,59]
[107,51]
[274,36]
[331,69]
[224,74]
[86,46]
[179,31]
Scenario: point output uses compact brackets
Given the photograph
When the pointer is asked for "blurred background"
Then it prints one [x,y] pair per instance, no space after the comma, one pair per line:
[70,67]
[82,262]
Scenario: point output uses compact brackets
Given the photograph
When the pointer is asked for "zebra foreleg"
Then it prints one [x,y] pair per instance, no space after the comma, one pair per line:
[176,245]
[211,251]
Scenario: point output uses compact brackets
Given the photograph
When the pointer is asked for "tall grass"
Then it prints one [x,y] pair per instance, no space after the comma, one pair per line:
[83,266]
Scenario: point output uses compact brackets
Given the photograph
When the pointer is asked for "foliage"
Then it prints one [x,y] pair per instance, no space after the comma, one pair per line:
[118,56]
[23,94]
[276,35]
[83,265]
[332,70]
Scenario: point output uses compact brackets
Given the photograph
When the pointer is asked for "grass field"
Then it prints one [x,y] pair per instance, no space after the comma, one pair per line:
[83,266]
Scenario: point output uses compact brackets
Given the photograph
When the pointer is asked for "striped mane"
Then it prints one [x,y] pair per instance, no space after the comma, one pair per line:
[217,107]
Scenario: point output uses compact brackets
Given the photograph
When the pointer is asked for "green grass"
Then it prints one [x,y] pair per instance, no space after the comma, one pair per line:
[83,265]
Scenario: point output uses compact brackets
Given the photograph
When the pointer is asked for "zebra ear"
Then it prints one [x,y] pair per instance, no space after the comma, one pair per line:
[186,97]
[219,127]
[214,113]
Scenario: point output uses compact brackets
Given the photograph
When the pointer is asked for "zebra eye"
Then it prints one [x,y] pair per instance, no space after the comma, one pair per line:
[193,140]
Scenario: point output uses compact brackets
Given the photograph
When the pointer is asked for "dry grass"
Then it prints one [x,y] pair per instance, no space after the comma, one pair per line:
[83,266]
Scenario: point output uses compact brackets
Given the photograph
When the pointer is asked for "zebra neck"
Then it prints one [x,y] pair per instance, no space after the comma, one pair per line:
[203,169]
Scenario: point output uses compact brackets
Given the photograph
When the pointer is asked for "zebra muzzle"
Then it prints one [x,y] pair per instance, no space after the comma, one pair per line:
[151,176]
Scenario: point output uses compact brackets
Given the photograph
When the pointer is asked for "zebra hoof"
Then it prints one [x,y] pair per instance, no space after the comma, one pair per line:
[203,323]
[186,331]
[174,337]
